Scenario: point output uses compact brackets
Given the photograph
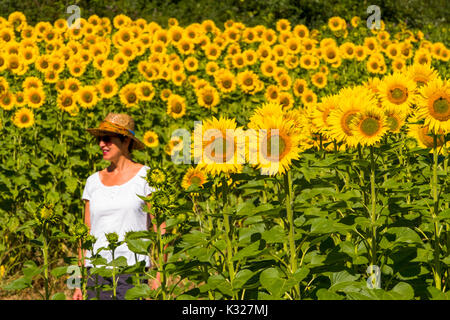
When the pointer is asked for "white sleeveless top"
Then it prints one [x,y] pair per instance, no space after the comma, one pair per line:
[117,209]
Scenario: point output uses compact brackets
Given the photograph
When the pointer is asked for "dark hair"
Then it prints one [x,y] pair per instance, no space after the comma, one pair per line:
[130,146]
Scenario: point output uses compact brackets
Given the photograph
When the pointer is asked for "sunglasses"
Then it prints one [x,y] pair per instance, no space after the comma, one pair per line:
[106,139]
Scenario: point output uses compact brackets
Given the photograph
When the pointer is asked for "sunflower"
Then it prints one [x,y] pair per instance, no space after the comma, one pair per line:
[73,84]
[277,144]
[176,106]
[3,64]
[193,177]
[335,23]
[422,56]
[32,82]
[128,95]
[35,97]
[424,137]
[165,94]
[76,66]
[23,118]
[216,146]
[7,100]
[107,88]
[225,81]
[398,65]
[330,54]
[299,87]
[191,64]
[207,97]
[393,51]
[291,61]
[66,101]
[395,120]
[238,60]
[29,55]
[212,51]
[397,91]
[151,139]
[247,81]
[371,44]
[286,100]
[347,50]
[319,80]
[360,53]
[272,93]
[268,68]
[352,101]
[421,74]
[368,126]
[308,97]
[178,78]
[86,96]
[434,105]
[321,112]
[110,69]
[17,20]
[145,91]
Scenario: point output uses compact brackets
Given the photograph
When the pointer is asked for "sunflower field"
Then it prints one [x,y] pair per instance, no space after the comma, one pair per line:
[353,202]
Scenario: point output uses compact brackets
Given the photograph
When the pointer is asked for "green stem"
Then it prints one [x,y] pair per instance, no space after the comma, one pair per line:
[114,278]
[45,254]
[290,218]
[435,213]
[373,208]
[226,223]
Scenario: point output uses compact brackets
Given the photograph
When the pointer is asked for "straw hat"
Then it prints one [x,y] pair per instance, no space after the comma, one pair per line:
[118,123]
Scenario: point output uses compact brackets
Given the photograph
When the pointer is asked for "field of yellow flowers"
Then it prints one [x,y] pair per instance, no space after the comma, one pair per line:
[356,207]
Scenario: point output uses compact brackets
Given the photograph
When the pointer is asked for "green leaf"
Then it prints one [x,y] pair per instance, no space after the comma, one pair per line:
[119,262]
[403,291]
[58,296]
[139,291]
[18,284]
[217,281]
[139,246]
[273,282]
[248,251]
[274,235]
[404,234]
[59,271]
[340,280]
[241,278]
[324,294]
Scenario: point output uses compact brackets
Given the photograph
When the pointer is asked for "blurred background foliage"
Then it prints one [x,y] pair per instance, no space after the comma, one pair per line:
[422,14]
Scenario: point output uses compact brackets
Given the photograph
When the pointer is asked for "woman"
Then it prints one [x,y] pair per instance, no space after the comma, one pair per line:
[111,201]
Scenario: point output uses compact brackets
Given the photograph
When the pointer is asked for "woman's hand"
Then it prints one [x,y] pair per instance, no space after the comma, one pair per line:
[77,295]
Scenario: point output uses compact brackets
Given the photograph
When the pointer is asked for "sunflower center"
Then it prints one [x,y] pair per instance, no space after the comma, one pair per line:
[67,101]
[208,98]
[393,123]
[196,181]
[398,95]
[131,97]
[369,126]
[278,145]
[177,108]
[35,98]
[87,97]
[441,109]
[24,118]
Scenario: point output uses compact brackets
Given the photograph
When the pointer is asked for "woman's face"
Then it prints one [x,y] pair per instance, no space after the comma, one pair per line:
[111,146]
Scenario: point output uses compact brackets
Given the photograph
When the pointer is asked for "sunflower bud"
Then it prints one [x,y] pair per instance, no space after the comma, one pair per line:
[112,237]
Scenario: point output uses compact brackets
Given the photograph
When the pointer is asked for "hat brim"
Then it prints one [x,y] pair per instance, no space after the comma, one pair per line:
[138,145]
